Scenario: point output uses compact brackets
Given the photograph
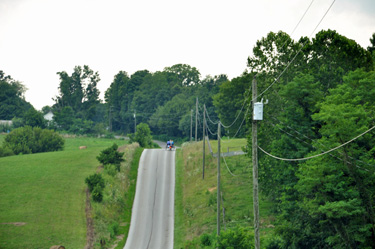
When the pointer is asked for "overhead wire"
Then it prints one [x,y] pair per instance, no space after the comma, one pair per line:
[236,118]
[312,140]
[228,126]
[295,28]
[289,63]
[330,154]
[321,154]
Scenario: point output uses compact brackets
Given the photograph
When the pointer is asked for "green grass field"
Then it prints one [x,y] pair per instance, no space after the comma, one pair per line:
[228,145]
[195,206]
[42,196]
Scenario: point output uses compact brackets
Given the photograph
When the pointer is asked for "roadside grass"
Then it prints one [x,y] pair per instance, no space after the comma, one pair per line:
[132,173]
[46,192]
[195,207]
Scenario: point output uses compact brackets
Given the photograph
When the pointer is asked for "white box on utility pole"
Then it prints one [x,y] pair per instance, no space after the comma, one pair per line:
[258,111]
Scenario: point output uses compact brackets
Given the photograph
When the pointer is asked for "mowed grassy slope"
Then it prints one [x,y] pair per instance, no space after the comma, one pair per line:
[228,144]
[195,205]
[46,192]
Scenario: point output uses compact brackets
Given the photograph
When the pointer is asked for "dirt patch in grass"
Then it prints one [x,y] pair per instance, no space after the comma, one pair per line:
[17,224]
[89,223]
[212,189]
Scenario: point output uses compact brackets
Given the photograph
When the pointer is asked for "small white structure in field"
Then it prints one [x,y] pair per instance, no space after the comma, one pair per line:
[48,116]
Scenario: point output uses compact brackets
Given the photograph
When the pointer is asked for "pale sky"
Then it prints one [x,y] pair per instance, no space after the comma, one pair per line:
[39,38]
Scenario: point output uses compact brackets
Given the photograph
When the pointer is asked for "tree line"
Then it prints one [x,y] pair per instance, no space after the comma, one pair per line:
[321,94]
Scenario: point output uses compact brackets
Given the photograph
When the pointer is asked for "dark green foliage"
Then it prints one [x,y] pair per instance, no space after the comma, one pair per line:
[232,100]
[77,101]
[320,101]
[111,156]
[236,238]
[95,181]
[97,194]
[12,102]
[112,169]
[162,100]
[113,229]
[206,240]
[143,135]
[34,118]
[29,139]
[5,151]
[64,117]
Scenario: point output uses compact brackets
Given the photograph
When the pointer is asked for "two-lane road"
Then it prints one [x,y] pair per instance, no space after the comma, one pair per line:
[152,222]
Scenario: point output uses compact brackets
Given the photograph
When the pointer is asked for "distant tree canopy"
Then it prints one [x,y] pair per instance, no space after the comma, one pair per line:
[12,101]
[77,105]
[161,99]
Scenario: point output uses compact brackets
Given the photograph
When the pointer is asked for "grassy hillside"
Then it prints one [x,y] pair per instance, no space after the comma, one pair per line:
[195,205]
[42,196]
[228,145]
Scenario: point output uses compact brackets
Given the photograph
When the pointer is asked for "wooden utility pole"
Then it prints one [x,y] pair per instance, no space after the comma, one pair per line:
[191,125]
[135,121]
[196,120]
[204,139]
[255,170]
[218,178]
[110,119]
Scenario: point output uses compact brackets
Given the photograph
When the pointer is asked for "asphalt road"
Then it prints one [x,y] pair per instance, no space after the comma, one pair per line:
[152,221]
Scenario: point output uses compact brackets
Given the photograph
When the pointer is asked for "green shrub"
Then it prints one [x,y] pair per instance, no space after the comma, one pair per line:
[26,140]
[143,135]
[113,229]
[111,156]
[5,151]
[97,193]
[111,169]
[205,240]
[236,238]
[274,243]
[95,180]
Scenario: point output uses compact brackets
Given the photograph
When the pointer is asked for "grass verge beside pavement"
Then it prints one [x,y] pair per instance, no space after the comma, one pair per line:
[129,196]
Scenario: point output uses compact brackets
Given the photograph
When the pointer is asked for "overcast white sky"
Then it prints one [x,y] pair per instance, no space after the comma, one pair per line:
[41,37]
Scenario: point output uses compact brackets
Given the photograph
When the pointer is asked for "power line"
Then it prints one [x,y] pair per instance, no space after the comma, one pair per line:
[289,63]
[314,141]
[321,154]
[295,27]
[240,110]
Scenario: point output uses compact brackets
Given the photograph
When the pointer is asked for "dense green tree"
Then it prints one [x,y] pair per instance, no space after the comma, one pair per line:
[166,119]
[184,74]
[12,101]
[334,193]
[64,118]
[78,91]
[322,203]
[143,135]
[46,109]
[112,156]
[34,118]
[232,102]
[371,48]
[118,98]
[333,55]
